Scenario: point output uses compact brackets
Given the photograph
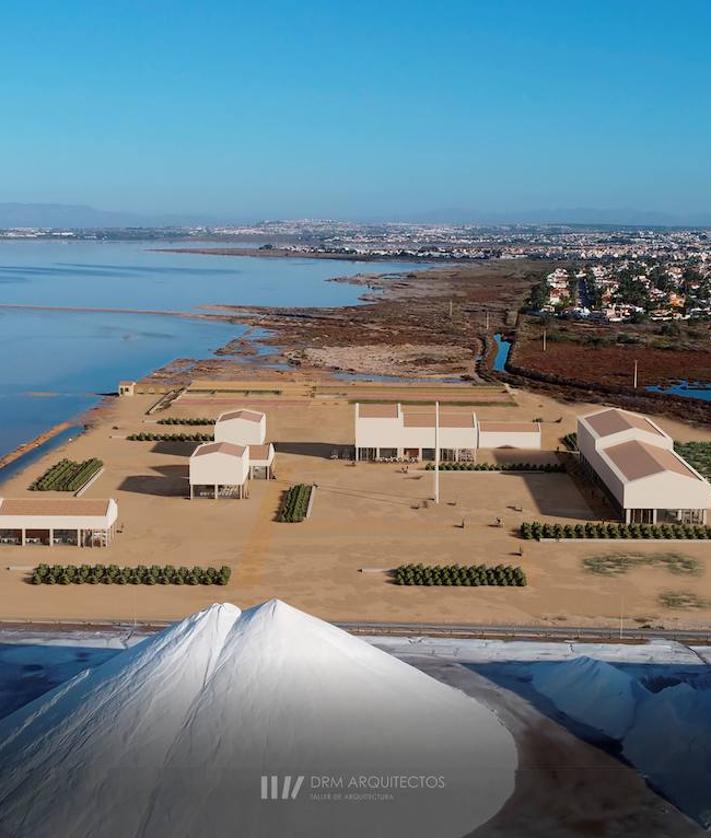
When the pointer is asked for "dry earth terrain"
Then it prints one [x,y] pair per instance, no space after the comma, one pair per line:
[366,517]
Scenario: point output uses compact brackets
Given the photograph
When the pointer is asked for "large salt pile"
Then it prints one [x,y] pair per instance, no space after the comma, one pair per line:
[267,722]
[591,691]
[666,735]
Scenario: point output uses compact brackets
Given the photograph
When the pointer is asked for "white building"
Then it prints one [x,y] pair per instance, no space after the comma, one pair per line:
[241,427]
[77,522]
[126,388]
[396,430]
[526,435]
[261,458]
[634,460]
[219,469]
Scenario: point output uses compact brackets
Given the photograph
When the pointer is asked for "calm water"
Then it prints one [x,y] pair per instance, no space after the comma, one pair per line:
[503,347]
[56,362]
[690,390]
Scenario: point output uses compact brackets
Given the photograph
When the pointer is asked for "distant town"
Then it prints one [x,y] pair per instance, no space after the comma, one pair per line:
[610,275]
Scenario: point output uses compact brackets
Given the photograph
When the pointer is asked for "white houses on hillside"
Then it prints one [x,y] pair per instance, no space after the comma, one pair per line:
[396,430]
[219,469]
[634,460]
[241,427]
[77,522]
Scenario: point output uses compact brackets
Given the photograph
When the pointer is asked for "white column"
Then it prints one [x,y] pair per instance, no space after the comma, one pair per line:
[436,470]
[51,537]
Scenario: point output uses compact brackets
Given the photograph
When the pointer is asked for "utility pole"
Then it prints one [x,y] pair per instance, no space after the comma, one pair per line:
[436,470]
[545,336]
[622,608]
[636,369]
[487,320]
[451,310]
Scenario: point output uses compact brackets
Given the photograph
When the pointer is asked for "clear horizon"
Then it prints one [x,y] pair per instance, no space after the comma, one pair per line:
[374,112]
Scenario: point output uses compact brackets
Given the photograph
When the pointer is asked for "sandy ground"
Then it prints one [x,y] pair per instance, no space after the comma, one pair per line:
[369,516]
[389,360]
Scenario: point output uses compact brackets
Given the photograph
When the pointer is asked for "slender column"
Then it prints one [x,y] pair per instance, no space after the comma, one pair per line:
[23,536]
[436,474]
[216,491]
[51,537]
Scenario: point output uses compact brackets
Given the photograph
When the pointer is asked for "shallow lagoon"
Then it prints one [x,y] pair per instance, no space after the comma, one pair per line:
[56,362]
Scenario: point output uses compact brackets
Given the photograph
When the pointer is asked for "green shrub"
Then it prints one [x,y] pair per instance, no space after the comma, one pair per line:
[294,504]
[113,574]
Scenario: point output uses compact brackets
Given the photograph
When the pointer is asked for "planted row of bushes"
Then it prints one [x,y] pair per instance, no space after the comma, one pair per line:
[151,437]
[294,504]
[571,441]
[466,466]
[457,575]
[175,420]
[613,530]
[112,574]
[67,476]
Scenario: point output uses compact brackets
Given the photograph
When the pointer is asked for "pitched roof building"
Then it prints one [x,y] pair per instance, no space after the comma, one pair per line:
[634,460]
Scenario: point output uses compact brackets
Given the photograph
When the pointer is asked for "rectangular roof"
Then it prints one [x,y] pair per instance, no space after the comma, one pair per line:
[509,427]
[259,452]
[377,411]
[614,420]
[54,506]
[426,419]
[247,415]
[636,459]
[219,448]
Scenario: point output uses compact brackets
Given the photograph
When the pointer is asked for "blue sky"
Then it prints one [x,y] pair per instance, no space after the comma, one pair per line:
[356,109]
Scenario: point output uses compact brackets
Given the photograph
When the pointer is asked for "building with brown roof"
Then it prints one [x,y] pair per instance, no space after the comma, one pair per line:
[400,430]
[241,427]
[219,469]
[79,522]
[633,460]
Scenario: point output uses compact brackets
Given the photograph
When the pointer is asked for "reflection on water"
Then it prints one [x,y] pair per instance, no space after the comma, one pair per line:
[71,356]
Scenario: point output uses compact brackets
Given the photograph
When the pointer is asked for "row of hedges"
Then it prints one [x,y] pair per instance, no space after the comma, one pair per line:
[151,437]
[58,574]
[294,504]
[571,441]
[468,575]
[465,466]
[67,476]
[175,420]
[612,530]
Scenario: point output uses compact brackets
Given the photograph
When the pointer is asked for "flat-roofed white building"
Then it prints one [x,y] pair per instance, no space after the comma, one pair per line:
[395,430]
[78,522]
[526,435]
[634,460]
[219,469]
[261,458]
[241,427]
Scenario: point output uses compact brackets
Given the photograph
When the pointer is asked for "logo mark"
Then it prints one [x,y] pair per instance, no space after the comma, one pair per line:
[288,790]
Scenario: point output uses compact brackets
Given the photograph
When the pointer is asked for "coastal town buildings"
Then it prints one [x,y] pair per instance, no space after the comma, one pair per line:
[634,461]
[75,522]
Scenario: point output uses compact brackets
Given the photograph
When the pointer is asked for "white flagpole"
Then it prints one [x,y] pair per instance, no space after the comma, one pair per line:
[436,492]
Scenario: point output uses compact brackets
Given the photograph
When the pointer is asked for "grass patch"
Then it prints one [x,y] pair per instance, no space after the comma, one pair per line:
[616,564]
[682,600]
[697,454]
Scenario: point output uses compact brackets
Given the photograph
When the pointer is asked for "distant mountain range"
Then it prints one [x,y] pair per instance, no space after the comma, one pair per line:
[82,216]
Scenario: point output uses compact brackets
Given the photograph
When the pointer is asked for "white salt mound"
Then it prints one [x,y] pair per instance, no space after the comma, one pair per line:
[173,737]
[591,691]
[665,735]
